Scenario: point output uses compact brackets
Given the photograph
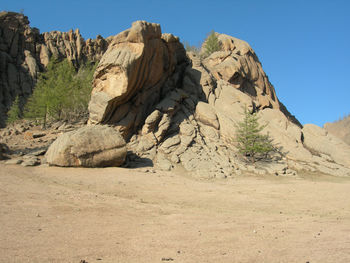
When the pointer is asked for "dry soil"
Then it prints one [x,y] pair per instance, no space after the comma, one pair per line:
[50,214]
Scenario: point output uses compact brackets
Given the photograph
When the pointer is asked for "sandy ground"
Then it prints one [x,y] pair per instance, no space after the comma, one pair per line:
[50,214]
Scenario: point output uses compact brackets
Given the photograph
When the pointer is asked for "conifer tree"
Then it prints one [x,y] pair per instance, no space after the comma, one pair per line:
[250,142]
[15,112]
[60,92]
[211,44]
[52,92]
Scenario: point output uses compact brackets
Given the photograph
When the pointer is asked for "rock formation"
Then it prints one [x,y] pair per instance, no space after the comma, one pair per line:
[340,129]
[179,110]
[89,146]
[175,109]
[24,52]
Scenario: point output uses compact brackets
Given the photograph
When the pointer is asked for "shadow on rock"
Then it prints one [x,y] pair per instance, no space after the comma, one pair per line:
[134,161]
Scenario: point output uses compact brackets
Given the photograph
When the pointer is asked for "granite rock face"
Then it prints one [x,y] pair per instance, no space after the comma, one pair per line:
[24,53]
[178,109]
[131,76]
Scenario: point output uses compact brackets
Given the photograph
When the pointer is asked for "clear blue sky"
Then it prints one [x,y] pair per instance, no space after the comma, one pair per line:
[304,46]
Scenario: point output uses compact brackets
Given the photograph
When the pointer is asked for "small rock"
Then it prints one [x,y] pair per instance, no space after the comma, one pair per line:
[31,162]
[38,135]
[38,152]
[14,161]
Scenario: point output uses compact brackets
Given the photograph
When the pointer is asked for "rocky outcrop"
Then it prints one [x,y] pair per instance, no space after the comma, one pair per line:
[340,129]
[173,109]
[129,79]
[179,110]
[89,146]
[24,53]
[322,142]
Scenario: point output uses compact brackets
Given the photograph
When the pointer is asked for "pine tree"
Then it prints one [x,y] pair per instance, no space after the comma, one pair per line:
[15,112]
[250,142]
[211,44]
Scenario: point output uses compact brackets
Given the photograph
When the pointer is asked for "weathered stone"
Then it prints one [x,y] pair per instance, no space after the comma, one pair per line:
[30,161]
[90,146]
[134,68]
[14,161]
[163,163]
[151,122]
[206,115]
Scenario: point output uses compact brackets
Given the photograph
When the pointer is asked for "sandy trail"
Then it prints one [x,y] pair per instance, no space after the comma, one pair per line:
[52,214]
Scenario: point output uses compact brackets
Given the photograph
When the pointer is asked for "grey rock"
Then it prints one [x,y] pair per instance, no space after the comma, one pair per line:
[32,161]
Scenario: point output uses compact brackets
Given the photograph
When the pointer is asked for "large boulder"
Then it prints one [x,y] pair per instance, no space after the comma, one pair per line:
[129,78]
[89,146]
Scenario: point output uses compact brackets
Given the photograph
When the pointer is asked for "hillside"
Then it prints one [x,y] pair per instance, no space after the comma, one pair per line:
[340,128]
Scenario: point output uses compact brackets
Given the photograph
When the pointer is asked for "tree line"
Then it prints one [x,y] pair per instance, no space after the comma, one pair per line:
[61,93]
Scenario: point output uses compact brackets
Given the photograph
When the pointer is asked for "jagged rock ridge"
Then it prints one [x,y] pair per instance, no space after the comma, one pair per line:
[179,110]
[24,52]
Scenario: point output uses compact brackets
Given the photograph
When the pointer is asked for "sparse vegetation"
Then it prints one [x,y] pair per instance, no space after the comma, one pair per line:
[60,93]
[189,48]
[250,142]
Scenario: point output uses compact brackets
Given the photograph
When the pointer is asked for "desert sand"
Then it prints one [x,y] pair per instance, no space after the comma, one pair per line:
[51,214]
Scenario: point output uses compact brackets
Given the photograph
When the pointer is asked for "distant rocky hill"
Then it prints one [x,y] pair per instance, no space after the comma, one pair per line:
[24,52]
[340,128]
